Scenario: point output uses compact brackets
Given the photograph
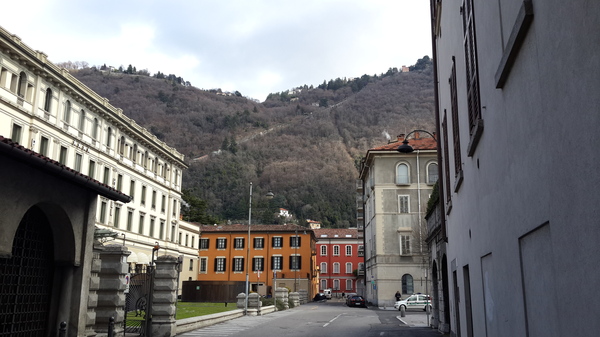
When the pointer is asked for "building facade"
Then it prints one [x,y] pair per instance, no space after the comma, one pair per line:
[284,252]
[47,110]
[517,106]
[394,194]
[340,260]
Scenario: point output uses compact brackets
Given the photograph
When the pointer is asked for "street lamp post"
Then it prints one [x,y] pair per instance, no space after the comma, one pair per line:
[296,258]
[248,253]
[405,148]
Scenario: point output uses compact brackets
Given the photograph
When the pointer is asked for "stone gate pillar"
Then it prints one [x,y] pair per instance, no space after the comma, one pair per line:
[111,288]
[164,300]
[281,294]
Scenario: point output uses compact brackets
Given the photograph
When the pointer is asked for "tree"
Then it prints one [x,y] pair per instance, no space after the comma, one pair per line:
[194,209]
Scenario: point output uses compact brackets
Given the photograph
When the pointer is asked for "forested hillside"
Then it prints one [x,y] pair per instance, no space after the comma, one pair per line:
[302,144]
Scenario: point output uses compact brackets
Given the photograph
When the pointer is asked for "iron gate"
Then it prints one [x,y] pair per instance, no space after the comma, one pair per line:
[26,279]
[138,301]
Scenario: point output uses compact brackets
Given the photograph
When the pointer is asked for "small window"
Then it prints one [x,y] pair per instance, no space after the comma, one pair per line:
[336,267]
[348,284]
[117,216]
[120,183]
[95,129]
[108,137]
[432,173]
[48,100]
[295,262]
[129,220]
[103,212]
[348,267]
[203,265]
[67,112]
[323,250]
[238,243]
[220,264]
[161,235]
[402,174]
[132,189]
[106,179]
[143,200]
[92,169]
[348,250]
[44,146]
[295,241]
[191,264]
[82,121]
[221,243]
[277,242]
[323,267]
[153,199]
[407,284]
[276,262]
[405,245]
[152,220]
[16,133]
[141,225]
[336,250]
[204,243]
[259,243]
[258,264]
[78,160]
[62,157]
[403,204]
[238,264]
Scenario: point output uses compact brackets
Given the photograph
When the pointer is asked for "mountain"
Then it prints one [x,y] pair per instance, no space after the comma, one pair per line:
[304,144]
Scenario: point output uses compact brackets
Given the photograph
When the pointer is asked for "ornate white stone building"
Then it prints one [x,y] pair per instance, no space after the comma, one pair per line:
[47,110]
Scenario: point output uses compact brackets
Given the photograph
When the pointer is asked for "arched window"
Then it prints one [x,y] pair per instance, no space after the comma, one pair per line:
[432,173]
[82,121]
[134,153]
[47,100]
[95,130]
[323,284]
[108,136]
[122,145]
[402,174]
[22,88]
[323,267]
[407,284]
[67,112]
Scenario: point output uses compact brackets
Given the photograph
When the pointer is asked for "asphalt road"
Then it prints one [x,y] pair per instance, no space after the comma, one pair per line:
[331,318]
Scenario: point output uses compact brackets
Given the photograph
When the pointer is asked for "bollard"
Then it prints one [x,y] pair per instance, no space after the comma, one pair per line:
[402,311]
[62,331]
[111,327]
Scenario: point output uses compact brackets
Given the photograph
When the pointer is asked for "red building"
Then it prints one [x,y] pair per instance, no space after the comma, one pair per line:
[340,257]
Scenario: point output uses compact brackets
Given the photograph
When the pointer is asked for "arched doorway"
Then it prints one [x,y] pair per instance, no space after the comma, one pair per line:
[26,278]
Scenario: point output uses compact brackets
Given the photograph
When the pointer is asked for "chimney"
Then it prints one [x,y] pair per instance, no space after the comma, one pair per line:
[416,133]
[400,136]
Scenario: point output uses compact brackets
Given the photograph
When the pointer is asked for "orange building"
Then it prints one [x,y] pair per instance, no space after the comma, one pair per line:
[286,252]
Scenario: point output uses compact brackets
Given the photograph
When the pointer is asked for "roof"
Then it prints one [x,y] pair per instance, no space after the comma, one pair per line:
[336,233]
[235,228]
[416,142]
[50,166]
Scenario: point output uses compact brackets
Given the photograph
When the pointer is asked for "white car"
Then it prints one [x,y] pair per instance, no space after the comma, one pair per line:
[414,302]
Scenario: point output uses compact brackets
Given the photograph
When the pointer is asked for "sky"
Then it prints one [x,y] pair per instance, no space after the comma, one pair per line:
[255,47]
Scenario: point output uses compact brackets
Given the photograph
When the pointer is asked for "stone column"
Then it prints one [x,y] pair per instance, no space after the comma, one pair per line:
[164,299]
[254,304]
[111,288]
[281,294]
[92,302]
[241,300]
[303,296]
[295,297]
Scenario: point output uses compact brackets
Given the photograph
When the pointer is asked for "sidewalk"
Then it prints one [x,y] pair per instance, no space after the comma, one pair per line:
[412,319]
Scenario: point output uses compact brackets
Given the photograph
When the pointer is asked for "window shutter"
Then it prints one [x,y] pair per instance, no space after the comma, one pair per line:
[224,264]
[233,265]
[254,264]
[243,264]
[216,264]
[291,241]
[291,261]
[207,243]
[262,265]
[243,243]
[272,242]
[281,260]
[299,262]
[299,241]
[225,243]
[272,262]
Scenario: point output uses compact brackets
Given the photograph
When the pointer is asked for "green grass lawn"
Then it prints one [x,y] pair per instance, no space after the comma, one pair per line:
[193,309]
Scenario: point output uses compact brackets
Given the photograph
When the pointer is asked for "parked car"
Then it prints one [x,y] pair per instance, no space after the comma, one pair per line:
[356,301]
[348,296]
[327,293]
[319,297]
[414,302]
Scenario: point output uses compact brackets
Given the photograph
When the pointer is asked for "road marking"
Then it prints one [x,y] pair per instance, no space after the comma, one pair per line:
[333,319]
